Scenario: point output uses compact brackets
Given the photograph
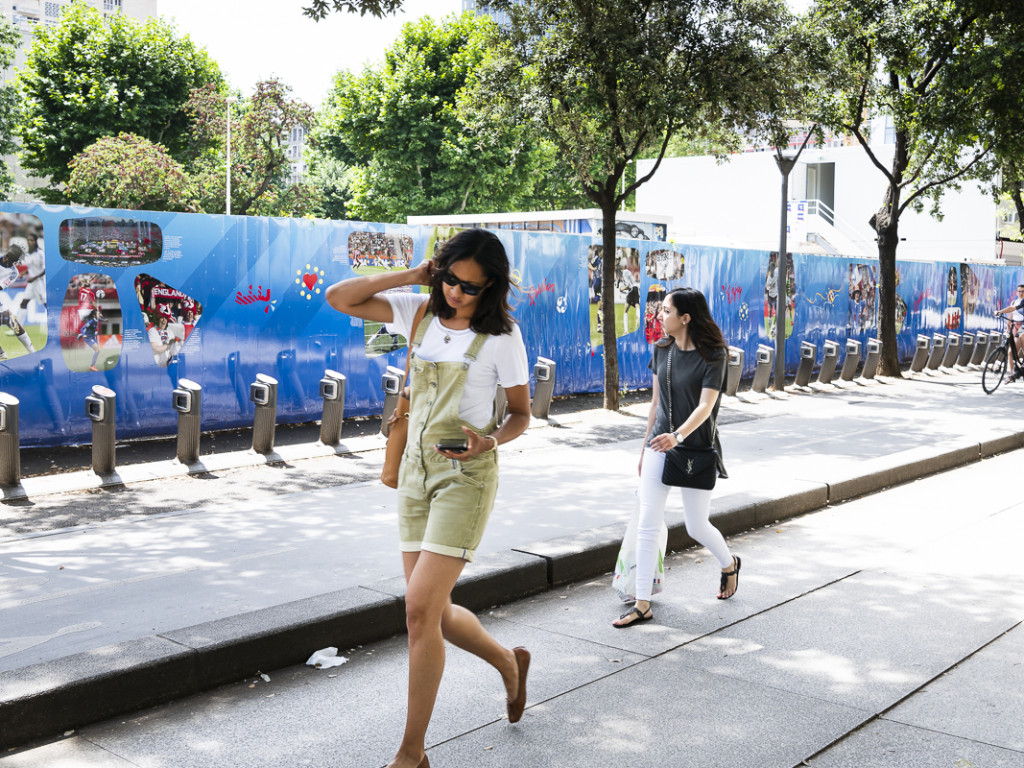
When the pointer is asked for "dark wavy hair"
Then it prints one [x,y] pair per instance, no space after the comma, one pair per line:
[492,315]
[704,331]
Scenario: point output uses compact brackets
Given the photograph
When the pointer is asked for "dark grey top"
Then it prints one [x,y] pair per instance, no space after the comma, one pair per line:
[691,373]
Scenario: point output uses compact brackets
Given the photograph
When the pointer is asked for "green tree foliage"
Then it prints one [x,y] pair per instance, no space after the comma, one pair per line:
[128,171]
[924,65]
[89,77]
[9,105]
[416,145]
[318,9]
[260,165]
[612,80]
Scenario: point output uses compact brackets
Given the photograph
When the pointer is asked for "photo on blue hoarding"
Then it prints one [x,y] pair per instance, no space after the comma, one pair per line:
[22,285]
[170,317]
[771,295]
[91,323]
[371,253]
[627,290]
[652,320]
[863,289]
[110,242]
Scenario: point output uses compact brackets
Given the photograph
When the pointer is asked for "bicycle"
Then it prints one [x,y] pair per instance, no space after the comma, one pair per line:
[994,372]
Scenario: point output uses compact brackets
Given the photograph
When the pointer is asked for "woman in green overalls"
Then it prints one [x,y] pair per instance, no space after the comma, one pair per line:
[464,343]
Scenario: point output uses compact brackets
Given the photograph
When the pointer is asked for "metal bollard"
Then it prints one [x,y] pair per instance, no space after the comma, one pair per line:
[187,400]
[392,382]
[808,355]
[849,369]
[763,370]
[980,348]
[871,359]
[829,361]
[952,350]
[734,370]
[332,390]
[544,373]
[263,394]
[937,353]
[920,354]
[101,408]
[10,451]
[966,349]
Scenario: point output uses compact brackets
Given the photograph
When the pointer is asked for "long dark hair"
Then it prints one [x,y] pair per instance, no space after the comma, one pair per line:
[704,331]
[492,314]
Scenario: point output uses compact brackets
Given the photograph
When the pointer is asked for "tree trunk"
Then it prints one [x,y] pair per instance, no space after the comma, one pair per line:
[611,351]
[886,225]
[1018,202]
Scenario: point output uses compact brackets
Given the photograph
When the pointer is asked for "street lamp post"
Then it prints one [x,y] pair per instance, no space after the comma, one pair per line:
[782,274]
[786,164]
[227,195]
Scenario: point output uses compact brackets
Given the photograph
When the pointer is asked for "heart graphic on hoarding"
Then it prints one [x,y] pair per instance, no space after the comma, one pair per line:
[310,281]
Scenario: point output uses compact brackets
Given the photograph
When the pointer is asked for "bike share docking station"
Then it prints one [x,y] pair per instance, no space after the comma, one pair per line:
[733,370]
[187,400]
[10,451]
[101,408]
[544,375]
[332,391]
[938,351]
[852,361]
[871,359]
[263,394]
[952,350]
[763,369]
[921,354]
[392,383]
[829,362]
[966,349]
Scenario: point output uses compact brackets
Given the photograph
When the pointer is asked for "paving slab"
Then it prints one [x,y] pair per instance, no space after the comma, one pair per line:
[977,699]
[894,745]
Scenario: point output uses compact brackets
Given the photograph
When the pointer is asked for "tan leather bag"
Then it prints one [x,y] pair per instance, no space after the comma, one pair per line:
[398,422]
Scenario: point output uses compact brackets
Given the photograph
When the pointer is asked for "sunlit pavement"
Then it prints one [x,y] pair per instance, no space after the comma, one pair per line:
[879,630]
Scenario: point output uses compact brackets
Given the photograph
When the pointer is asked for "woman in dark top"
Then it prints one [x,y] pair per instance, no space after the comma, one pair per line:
[698,353]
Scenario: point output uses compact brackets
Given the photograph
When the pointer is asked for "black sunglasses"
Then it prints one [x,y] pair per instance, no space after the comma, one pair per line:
[467,288]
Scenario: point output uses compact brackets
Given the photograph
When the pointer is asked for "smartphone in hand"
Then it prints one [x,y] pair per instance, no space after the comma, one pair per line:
[452,446]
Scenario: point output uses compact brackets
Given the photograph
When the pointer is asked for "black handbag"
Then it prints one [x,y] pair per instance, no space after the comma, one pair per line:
[690,467]
[686,466]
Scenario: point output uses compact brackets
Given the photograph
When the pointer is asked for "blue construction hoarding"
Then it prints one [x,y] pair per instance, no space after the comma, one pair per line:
[136,300]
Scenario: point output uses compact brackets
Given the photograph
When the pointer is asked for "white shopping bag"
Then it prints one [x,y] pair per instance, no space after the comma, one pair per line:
[624,579]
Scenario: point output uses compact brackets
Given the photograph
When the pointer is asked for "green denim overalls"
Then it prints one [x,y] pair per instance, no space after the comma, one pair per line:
[443,504]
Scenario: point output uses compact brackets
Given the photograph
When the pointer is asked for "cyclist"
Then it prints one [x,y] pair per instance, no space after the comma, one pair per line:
[1016,312]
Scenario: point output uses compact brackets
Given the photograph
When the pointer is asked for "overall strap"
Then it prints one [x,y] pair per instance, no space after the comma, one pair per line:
[475,347]
[416,334]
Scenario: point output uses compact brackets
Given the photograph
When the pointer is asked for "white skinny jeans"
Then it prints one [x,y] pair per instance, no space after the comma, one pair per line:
[696,512]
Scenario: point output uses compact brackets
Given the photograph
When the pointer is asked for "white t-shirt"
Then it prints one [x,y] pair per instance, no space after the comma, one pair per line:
[502,359]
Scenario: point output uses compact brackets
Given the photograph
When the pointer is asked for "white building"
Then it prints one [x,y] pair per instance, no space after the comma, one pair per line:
[27,14]
[296,154]
[833,192]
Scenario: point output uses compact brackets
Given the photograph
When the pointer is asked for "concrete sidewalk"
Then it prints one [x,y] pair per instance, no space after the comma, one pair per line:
[316,568]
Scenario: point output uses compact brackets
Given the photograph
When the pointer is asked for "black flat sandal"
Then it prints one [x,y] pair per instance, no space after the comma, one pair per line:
[725,578]
[640,617]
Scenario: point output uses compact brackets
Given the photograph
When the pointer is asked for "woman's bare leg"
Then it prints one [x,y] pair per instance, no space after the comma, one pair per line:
[430,578]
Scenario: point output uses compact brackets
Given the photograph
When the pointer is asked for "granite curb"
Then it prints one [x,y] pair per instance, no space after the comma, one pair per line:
[47,699]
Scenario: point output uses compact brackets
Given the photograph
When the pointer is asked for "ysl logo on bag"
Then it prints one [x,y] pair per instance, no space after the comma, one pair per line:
[689,466]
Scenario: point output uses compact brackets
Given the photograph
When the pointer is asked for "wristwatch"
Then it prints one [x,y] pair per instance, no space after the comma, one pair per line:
[679,438]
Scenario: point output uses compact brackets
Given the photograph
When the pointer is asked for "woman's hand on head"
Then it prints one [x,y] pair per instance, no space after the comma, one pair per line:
[423,272]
